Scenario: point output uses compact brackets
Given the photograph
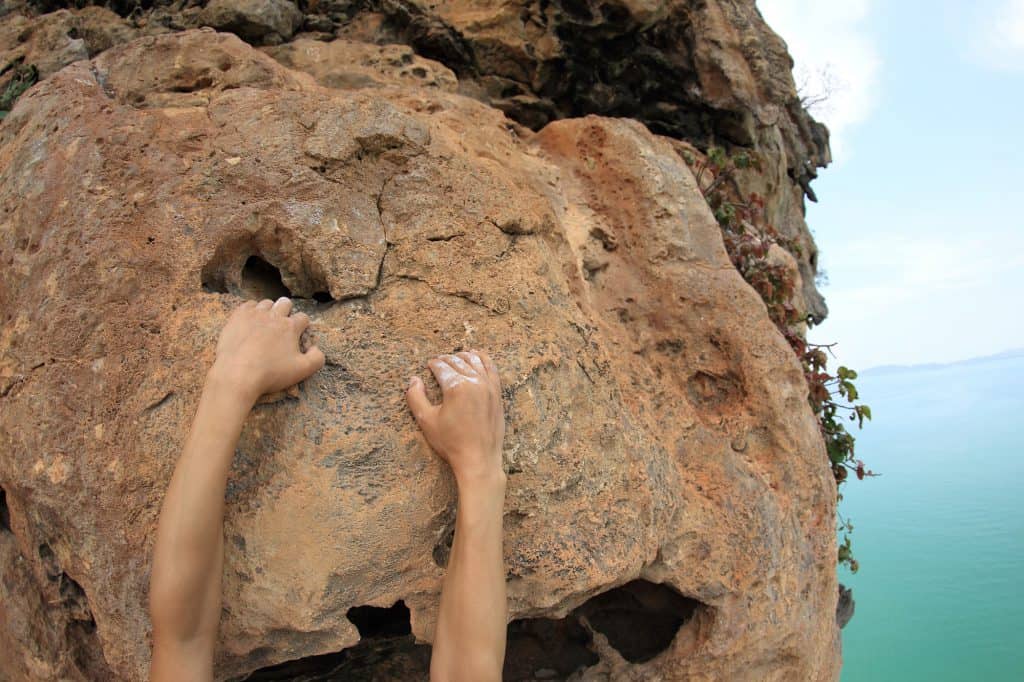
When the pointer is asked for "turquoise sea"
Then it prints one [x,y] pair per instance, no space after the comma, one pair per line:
[940,534]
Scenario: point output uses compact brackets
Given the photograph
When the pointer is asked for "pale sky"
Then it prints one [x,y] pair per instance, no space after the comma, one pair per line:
[920,217]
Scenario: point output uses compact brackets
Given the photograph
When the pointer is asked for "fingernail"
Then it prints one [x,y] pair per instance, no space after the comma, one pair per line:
[412,381]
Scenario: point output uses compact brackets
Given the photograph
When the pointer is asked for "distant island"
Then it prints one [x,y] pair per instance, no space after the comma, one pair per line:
[893,369]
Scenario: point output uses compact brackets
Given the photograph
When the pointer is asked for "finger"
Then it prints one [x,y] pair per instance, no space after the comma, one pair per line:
[282,306]
[492,370]
[300,321]
[474,360]
[313,360]
[420,406]
[243,309]
[265,304]
[446,376]
[460,365]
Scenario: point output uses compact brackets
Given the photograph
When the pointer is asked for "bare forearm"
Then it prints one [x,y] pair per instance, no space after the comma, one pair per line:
[470,639]
[188,555]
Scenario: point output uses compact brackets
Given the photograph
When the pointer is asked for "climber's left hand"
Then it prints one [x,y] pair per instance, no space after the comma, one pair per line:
[258,350]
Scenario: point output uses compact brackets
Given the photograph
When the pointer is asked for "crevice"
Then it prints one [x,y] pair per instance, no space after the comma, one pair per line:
[64,594]
[200,83]
[464,295]
[585,371]
[5,513]
[446,536]
[159,402]
[101,80]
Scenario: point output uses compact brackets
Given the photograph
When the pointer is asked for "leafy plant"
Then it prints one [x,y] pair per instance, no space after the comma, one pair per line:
[21,79]
[748,238]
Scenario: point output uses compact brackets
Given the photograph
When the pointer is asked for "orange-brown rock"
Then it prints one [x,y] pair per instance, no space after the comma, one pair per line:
[347,64]
[670,507]
[52,41]
[711,73]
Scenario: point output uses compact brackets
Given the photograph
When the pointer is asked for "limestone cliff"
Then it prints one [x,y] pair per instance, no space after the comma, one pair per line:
[670,510]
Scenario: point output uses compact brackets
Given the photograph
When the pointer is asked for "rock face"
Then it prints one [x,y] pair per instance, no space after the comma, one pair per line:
[259,21]
[710,72]
[345,64]
[670,510]
[54,40]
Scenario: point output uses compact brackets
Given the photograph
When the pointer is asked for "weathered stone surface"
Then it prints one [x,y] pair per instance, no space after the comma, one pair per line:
[52,41]
[263,22]
[346,64]
[658,428]
[708,72]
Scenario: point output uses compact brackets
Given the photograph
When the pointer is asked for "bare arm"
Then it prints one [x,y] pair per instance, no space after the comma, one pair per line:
[467,430]
[258,352]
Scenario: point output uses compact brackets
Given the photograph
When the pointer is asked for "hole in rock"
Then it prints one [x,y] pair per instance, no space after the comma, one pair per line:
[640,620]
[257,280]
[374,621]
[5,513]
[386,650]
[260,279]
[546,648]
[50,565]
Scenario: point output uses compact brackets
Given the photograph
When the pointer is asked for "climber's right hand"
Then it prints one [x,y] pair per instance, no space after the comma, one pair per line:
[468,427]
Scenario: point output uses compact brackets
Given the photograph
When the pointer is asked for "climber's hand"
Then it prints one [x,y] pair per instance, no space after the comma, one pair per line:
[258,350]
[467,428]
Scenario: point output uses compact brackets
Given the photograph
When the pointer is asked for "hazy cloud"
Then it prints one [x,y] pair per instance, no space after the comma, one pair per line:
[997,37]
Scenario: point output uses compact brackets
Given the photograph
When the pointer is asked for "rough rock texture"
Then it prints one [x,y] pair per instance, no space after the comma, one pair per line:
[670,510]
[705,71]
[257,21]
[708,71]
[346,64]
[54,40]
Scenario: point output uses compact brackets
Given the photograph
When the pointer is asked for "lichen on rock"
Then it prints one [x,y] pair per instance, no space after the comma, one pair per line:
[670,508]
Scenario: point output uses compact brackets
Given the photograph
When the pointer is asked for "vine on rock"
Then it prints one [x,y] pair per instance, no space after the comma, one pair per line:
[749,239]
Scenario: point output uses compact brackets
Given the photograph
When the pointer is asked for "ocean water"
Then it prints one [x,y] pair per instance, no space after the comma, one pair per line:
[940,534]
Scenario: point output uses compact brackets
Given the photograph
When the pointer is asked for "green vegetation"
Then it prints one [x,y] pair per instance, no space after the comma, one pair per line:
[748,238]
[21,78]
